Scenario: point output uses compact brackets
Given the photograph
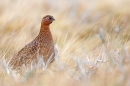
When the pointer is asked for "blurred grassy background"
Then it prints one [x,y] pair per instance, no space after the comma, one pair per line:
[99,28]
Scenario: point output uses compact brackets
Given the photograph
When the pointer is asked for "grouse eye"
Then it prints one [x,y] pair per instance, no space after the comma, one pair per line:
[47,18]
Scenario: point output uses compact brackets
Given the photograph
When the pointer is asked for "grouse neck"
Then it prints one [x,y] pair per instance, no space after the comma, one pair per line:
[44,28]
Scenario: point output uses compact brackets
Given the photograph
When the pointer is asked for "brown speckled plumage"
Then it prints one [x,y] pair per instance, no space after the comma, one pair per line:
[42,46]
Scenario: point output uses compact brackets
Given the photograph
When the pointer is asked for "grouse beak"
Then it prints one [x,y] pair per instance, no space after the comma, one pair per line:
[53,19]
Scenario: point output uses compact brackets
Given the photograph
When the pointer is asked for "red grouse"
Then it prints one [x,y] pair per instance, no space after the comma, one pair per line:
[42,46]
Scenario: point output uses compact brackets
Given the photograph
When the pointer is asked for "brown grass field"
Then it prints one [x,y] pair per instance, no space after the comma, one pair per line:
[92,38]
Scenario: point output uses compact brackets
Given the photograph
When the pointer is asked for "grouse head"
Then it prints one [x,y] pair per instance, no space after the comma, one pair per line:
[47,20]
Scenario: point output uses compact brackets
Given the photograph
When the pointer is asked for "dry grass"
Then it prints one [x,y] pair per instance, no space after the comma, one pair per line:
[92,37]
